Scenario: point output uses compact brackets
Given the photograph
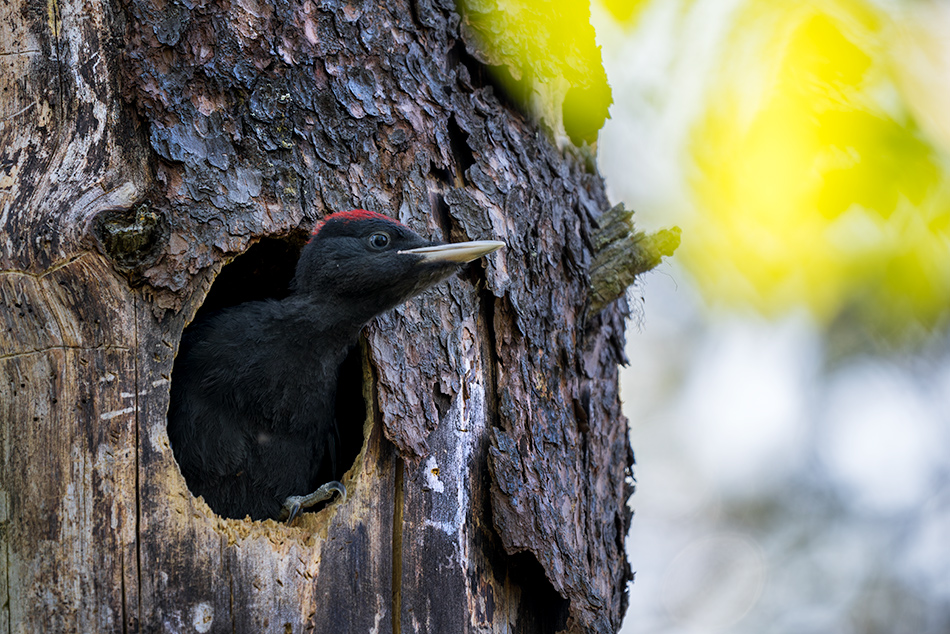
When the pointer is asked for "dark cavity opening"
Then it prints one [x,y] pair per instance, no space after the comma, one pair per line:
[441,175]
[461,151]
[443,216]
[442,400]
[265,271]
[542,608]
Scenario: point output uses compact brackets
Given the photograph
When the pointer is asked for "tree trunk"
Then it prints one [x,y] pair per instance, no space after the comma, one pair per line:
[143,148]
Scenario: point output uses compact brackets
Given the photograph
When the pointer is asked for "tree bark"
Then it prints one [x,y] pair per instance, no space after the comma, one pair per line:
[145,146]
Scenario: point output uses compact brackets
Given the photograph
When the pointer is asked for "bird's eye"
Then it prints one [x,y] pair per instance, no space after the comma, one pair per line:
[379,240]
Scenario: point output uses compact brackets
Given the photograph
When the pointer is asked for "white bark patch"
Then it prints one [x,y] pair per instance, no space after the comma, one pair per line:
[380,613]
[432,476]
[464,422]
[202,617]
[117,412]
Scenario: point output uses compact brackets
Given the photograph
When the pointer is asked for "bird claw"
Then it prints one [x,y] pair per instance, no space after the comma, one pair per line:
[291,508]
[294,504]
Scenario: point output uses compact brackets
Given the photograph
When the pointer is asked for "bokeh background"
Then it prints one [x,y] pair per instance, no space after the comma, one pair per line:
[789,380]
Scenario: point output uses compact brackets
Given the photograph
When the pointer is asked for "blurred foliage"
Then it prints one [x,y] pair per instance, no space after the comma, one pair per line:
[544,56]
[624,11]
[814,185]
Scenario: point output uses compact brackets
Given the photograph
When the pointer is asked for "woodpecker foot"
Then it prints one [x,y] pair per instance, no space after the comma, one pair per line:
[294,504]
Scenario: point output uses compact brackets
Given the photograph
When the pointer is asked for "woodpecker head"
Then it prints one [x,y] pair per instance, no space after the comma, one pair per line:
[370,262]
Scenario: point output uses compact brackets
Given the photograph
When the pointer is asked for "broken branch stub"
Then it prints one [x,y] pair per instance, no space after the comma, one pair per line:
[623,253]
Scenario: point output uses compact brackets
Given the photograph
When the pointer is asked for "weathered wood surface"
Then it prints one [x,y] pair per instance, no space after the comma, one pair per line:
[490,493]
[67,324]
[69,453]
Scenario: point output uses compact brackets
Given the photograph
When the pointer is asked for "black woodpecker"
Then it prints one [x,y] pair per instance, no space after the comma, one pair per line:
[251,418]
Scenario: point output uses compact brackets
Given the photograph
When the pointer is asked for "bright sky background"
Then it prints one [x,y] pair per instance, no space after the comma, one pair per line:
[789,385]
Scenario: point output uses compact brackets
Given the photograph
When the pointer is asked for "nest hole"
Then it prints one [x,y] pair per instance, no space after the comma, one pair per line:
[265,271]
